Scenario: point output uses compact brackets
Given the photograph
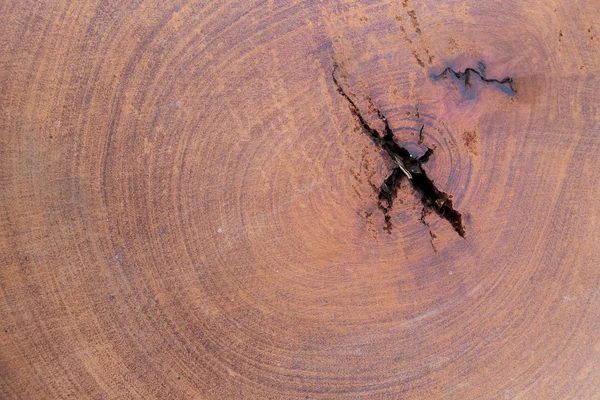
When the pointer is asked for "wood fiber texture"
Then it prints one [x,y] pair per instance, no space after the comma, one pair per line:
[192,209]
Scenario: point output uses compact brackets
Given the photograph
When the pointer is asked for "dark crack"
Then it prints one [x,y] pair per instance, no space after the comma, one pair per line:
[424,213]
[505,84]
[407,166]
[420,141]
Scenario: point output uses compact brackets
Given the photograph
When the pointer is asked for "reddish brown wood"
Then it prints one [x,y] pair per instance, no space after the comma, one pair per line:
[190,208]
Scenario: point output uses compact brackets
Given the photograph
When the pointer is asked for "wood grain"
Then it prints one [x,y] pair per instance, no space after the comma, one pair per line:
[190,207]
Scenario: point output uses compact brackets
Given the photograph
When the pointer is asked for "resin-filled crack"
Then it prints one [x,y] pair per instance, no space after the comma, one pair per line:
[407,167]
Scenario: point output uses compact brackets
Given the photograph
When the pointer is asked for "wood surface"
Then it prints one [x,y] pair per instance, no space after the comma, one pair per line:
[192,208]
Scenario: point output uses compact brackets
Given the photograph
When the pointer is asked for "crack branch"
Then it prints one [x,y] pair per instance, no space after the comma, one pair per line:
[406,166]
